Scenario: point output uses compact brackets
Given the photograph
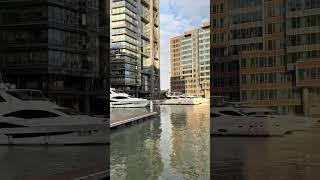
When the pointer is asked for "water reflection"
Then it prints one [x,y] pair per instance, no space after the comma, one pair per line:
[137,152]
[293,157]
[24,162]
[172,146]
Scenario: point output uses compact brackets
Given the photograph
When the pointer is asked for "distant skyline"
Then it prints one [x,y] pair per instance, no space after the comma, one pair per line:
[177,17]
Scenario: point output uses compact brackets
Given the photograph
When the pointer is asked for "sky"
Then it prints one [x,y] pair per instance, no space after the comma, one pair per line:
[176,17]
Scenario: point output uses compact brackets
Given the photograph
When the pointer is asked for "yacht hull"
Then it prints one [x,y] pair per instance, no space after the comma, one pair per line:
[203,100]
[257,127]
[180,102]
[140,104]
[55,135]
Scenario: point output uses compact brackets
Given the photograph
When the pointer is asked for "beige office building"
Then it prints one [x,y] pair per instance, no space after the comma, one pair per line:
[277,44]
[190,62]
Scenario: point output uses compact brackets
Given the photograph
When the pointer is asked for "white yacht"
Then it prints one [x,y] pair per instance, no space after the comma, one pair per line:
[180,99]
[248,120]
[229,121]
[202,100]
[290,122]
[28,118]
[119,99]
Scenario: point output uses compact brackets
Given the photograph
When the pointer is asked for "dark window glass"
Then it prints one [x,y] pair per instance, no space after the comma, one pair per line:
[27,95]
[8,125]
[71,112]
[214,115]
[251,113]
[2,99]
[120,97]
[30,114]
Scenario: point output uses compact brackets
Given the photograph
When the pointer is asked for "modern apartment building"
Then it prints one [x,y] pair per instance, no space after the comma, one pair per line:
[60,47]
[225,75]
[177,83]
[190,62]
[225,79]
[277,43]
[135,55]
[204,59]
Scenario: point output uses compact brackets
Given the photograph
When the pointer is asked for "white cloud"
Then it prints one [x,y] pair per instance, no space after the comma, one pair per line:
[176,17]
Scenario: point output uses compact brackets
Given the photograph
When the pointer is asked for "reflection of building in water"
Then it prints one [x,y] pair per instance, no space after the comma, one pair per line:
[278,47]
[224,163]
[188,125]
[293,157]
[59,47]
[136,151]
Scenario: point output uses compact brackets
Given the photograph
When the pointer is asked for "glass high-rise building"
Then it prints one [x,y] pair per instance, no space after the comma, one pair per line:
[190,62]
[135,56]
[277,44]
[60,47]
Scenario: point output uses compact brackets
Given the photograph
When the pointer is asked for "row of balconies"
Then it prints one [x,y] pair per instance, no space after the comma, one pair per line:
[124,4]
[155,3]
[121,25]
[145,14]
[146,32]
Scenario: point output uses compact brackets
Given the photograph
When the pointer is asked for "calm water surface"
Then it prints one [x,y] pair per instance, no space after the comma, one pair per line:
[23,162]
[174,145]
[292,157]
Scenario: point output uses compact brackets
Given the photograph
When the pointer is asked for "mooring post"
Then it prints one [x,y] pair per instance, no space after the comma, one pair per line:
[151,106]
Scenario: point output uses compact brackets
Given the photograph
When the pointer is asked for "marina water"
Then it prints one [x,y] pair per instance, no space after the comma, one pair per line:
[175,145]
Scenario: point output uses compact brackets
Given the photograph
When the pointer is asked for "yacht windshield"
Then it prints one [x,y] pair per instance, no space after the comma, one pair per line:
[118,91]
[271,113]
[28,95]
[230,113]
[260,113]
[2,99]
[31,114]
[70,112]
[120,97]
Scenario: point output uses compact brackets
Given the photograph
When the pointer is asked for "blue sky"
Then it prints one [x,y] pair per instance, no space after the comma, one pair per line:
[176,17]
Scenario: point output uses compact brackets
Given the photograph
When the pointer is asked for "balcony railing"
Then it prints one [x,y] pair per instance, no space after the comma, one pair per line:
[146,14]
